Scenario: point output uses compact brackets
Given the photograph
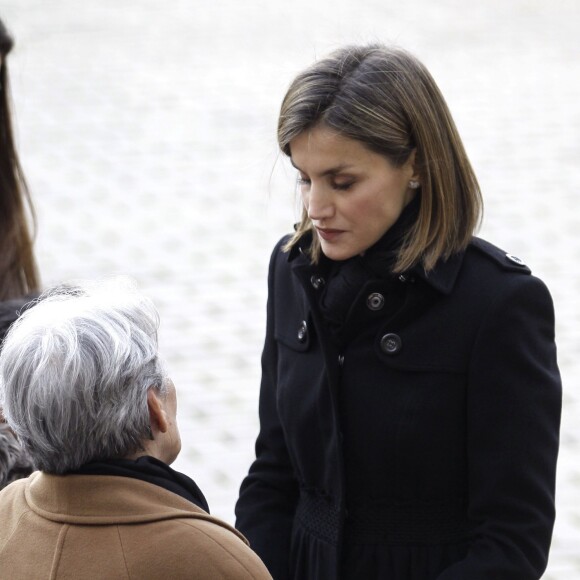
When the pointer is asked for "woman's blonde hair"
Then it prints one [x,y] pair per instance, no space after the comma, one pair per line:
[386,99]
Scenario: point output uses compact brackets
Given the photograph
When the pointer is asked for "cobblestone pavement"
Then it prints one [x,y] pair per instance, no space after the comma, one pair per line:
[147,132]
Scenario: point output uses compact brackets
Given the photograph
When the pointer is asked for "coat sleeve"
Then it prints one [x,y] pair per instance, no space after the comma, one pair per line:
[513,407]
[268,495]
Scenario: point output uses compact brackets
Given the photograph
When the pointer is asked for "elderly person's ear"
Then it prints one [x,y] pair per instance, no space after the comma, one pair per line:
[165,441]
[157,413]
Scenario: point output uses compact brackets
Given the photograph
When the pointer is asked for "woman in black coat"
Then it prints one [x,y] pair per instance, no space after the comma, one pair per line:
[410,398]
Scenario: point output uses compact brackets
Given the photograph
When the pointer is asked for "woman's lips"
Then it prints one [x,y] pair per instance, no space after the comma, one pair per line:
[328,234]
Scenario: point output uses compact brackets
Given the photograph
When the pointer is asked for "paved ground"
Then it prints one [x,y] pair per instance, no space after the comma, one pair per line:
[147,132]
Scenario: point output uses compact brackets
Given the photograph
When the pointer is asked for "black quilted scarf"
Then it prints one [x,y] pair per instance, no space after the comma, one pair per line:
[347,277]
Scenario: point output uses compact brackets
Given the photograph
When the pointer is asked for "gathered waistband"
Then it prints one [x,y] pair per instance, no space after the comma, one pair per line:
[386,522]
[319,516]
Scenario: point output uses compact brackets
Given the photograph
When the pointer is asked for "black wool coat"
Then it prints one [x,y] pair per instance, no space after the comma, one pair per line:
[424,445]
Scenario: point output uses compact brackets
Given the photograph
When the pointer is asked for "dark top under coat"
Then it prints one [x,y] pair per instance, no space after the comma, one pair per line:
[151,470]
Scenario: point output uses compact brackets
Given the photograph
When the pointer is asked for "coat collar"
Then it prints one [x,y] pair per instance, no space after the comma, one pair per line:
[442,277]
[152,470]
[106,500]
[103,499]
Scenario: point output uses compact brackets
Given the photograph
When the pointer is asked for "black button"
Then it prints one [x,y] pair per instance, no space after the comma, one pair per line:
[303,332]
[375,301]
[316,281]
[391,343]
[515,259]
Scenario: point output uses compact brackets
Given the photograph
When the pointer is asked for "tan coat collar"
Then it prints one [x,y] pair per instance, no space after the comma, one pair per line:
[104,499]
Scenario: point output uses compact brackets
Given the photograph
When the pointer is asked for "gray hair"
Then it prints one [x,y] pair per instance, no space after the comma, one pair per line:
[74,374]
[14,461]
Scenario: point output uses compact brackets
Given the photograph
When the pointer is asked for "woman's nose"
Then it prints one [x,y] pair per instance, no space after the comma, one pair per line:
[318,203]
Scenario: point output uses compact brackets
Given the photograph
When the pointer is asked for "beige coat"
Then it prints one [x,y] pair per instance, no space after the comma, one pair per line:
[109,527]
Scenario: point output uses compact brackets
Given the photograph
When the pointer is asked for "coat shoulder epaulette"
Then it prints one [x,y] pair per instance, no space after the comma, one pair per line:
[503,259]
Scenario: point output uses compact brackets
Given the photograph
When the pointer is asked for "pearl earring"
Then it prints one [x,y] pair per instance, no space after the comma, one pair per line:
[414,184]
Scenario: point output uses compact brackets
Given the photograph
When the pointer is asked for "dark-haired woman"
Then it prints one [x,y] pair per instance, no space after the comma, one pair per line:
[410,399]
[19,281]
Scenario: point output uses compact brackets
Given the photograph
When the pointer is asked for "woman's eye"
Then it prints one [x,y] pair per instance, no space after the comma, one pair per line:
[303,181]
[343,186]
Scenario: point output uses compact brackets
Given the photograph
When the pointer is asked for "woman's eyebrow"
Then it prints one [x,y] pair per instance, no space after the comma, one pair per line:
[330,171]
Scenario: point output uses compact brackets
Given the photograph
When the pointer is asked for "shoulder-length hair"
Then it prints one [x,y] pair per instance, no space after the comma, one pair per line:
[387,100]
[75,370]
[18,270]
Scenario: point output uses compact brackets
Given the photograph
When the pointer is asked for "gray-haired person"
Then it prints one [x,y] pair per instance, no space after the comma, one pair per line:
[84,389]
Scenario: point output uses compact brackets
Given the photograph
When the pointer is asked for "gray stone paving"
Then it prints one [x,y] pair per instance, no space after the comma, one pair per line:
[147,132]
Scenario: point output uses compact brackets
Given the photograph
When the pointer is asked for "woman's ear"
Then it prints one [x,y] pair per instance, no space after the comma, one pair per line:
[157,414]
[412,165]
